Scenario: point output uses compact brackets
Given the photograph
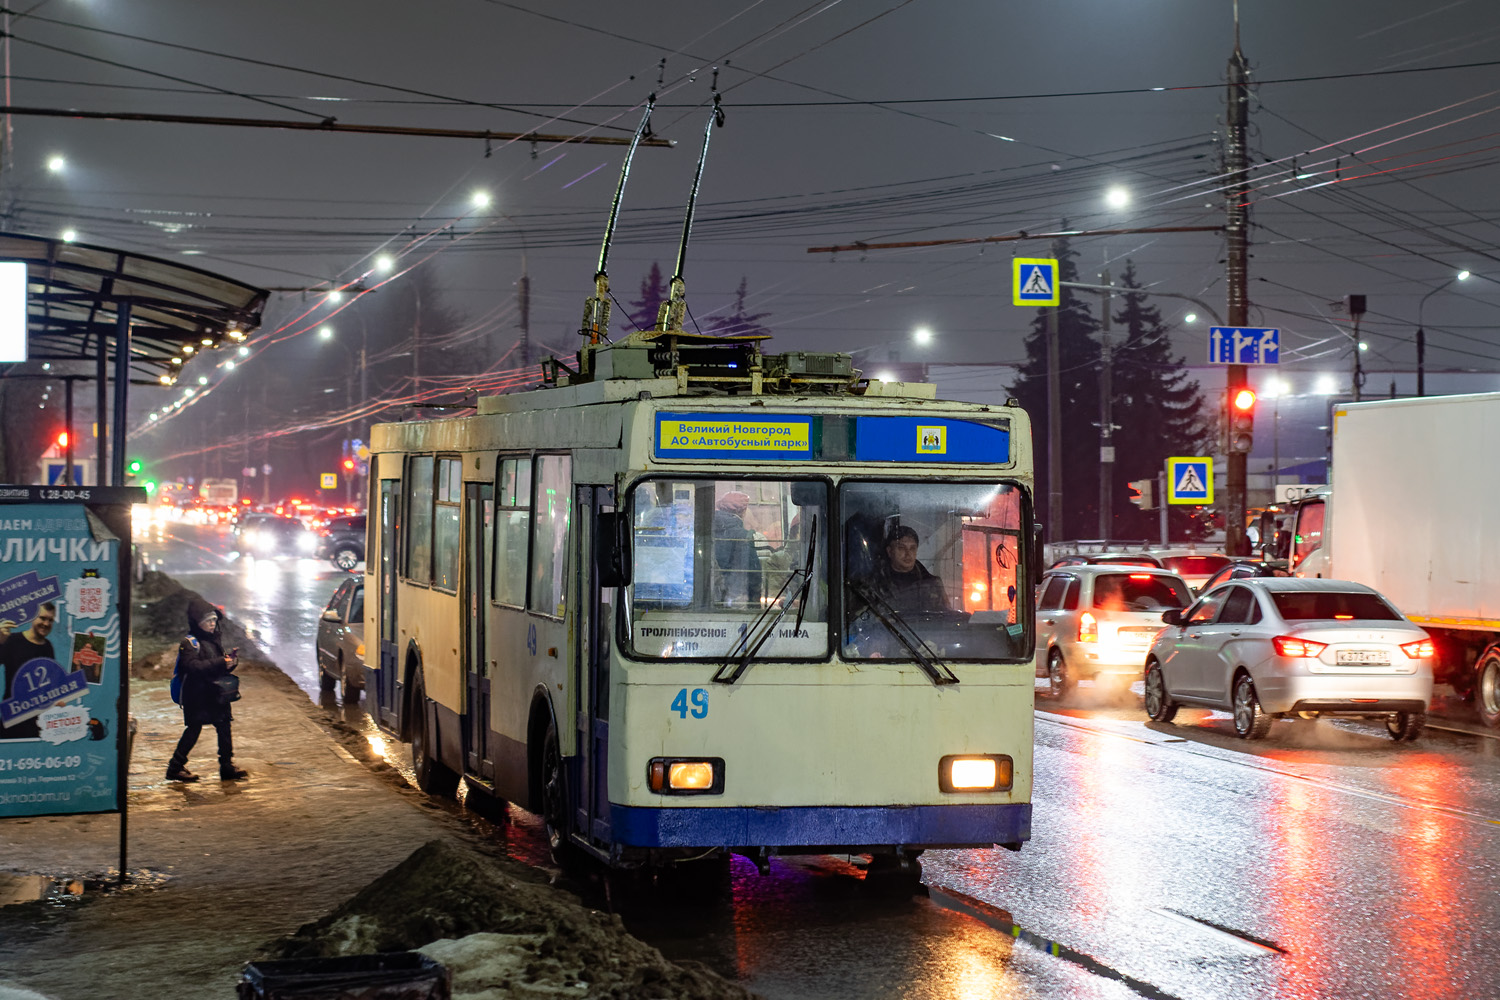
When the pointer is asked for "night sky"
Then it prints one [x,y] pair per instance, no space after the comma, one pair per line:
[845,121]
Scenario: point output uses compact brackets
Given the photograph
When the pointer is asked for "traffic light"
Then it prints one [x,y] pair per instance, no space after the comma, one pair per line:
[135,466]
[348,465]
[62,440]
[1241,420]
[1140,493]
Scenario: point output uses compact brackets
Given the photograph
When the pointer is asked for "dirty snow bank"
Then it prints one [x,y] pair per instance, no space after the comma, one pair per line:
[500,937]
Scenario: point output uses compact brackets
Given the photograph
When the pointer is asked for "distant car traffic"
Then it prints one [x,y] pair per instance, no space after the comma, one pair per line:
[1240,569]
[1097,621]
[1266,649]
[1111,559]
[1194,567]
[343,541]
[269,536]
[341,640]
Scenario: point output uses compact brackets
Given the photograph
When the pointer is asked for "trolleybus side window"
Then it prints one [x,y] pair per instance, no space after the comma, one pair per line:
[446,524]
[719,564]
[512,531]
[549,534]
[418,505]
[934,570]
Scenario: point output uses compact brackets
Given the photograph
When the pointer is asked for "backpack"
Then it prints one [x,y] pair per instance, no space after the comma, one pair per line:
[177,675]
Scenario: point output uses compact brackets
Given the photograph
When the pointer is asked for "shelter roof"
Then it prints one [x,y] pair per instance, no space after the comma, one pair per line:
[75,292]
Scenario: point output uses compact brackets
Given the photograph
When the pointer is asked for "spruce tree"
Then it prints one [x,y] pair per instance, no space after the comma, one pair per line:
[642,312]
[1078,356]
[738,323]
[1158,408]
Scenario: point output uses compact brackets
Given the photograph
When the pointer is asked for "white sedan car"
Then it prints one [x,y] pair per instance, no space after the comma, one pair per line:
[1268,648]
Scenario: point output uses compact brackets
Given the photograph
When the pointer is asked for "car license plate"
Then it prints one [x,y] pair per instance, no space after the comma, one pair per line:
[1138,636]
[1367,657]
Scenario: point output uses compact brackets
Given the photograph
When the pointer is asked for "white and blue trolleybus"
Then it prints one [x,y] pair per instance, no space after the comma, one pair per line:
[689,598]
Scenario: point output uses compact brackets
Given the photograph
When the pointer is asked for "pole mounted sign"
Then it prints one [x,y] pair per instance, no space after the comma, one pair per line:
[1190,480]
[1244,345]
[1034,281]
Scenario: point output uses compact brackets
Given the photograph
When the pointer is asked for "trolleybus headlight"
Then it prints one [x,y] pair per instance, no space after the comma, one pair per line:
[992,772]
[678,776]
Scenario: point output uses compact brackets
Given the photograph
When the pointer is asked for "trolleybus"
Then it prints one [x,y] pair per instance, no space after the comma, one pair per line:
[667,602]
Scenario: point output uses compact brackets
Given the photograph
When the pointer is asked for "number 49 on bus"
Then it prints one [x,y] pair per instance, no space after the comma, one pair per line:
[699,700]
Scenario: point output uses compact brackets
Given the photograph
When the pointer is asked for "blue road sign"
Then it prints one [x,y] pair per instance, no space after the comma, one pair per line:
[1034,281]
[1190,480]
[1244,345]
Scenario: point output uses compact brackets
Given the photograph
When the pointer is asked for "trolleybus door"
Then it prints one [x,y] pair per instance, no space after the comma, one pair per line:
[390,656]
[479,541]
[591,667]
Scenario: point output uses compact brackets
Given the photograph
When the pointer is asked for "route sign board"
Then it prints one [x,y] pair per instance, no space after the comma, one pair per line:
[1244,345]
[1190,480]
[1034,281]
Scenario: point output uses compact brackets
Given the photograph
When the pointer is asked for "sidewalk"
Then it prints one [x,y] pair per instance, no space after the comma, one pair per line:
[217,869]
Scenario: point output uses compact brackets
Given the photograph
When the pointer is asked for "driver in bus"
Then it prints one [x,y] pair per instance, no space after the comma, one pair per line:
[905,583]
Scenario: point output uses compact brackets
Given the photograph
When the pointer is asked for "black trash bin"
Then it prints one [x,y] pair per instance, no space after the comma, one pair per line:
[396,975]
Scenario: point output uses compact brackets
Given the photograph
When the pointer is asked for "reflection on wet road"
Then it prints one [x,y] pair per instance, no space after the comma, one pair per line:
[1171,861]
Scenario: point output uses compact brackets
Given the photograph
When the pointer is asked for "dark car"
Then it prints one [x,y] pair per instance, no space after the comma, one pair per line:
[1240,569]
[269,536]
[344,541]
[341,640]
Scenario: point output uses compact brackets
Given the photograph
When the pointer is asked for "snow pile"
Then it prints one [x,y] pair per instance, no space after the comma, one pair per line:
[500,937]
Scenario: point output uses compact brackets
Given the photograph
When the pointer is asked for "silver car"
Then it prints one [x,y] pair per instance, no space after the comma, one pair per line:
[1269,648]
[1096,621]
[341,640]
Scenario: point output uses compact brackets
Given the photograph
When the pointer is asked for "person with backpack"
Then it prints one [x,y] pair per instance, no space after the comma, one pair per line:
[208,684]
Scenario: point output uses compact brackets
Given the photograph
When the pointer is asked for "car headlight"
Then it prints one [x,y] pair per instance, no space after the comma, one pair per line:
[993,772]
[307,542]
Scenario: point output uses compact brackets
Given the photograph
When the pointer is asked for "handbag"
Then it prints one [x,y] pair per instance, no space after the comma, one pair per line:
[228,687]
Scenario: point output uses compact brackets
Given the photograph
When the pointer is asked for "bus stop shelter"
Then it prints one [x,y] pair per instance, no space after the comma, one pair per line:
[136,319]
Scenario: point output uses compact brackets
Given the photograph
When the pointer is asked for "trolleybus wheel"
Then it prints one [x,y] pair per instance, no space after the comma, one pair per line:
[1405,727]
[1487,687]
[1250,722]
[433,776]
[555,798]
[1058,675]
[1159,705]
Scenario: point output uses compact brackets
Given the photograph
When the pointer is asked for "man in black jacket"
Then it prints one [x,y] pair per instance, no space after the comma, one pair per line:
[907,585]
[202,661]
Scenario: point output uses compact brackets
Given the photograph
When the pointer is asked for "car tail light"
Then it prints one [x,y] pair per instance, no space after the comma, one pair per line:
[1140,576]
[1088,628]
[1420,650]
[1287,645]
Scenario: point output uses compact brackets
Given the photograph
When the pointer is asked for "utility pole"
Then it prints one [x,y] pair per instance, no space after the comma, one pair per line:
[1237,238]
[1054,416]
[1106,418]
[523,308]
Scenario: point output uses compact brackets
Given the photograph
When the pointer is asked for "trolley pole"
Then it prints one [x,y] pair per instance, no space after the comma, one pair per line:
[1236,234]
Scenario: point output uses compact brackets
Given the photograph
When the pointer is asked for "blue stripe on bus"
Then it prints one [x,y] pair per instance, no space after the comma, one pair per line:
[812,826]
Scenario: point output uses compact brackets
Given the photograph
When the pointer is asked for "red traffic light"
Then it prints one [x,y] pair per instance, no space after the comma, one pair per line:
[62,439]
[1244,400]
[348,465]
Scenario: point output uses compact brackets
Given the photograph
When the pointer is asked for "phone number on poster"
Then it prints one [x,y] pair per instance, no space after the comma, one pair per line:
[38,763]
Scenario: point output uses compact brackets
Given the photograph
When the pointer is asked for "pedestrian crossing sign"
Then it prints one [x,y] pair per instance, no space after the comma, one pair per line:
[1190,480]
[1034,281]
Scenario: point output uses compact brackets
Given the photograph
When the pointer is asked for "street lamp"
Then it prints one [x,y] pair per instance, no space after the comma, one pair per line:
[1117,197]
[1422,334]
[57,163]
[922,335]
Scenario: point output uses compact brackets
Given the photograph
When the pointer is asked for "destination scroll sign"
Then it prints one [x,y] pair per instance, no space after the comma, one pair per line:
[681,435]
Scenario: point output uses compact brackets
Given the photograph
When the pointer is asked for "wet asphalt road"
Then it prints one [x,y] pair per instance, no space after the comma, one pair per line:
[1167,861]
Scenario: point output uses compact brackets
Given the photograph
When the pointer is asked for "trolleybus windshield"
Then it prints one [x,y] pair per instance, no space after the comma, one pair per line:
[932,570]
[710,555]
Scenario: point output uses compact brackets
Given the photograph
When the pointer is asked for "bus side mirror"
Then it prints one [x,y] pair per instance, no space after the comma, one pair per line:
[1283,544]
[1038,542]
[612,549]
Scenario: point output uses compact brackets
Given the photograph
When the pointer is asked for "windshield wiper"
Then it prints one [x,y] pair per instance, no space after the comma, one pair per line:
[936,670]
[805,571]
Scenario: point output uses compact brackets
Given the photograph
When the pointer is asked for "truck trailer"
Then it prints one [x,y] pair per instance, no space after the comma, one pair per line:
[1411,511]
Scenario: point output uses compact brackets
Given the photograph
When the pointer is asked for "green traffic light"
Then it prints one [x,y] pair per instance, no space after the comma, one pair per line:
[135,466]
[150,485]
